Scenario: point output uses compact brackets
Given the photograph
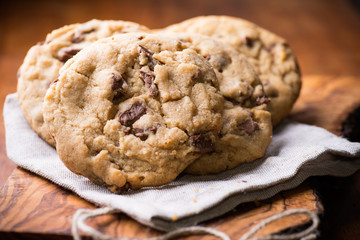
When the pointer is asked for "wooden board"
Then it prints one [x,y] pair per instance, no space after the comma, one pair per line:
[33,207]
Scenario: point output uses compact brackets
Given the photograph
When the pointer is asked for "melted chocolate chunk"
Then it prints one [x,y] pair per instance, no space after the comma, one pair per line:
[152,129]
[151,61]
[143,134]
[261,100]
[131,115]
[67,53]
[118,86]
[140,133]
[180,45]
[142,49]
[249,126]
[248,42]
[78,36]
[203,143]
[222,63]
[148,78]
[127,130]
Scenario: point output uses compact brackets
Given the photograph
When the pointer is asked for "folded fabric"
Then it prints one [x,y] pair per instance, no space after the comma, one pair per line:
[297,152]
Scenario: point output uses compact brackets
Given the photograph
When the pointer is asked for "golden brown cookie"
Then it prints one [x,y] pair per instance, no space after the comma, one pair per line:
[43,61]
[270,55]
[247,129]
[134,110]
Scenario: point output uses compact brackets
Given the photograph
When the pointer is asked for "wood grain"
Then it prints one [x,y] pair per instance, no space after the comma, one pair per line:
[326,101]
[32,206]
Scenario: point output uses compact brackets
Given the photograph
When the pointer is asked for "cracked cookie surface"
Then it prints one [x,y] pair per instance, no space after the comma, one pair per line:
[247,129]
[269,54]
[43,61]
[134,110]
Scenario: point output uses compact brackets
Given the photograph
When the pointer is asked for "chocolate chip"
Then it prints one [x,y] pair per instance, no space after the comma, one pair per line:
[261,100]
[180,45]
[152,129]
[151,61]
[67,53]
[196,75]
[148,78]
[78,36]
[118,86]
[222,62]
[140,133]
[131,115]
[142,49]
[248,42]
[249,126]
[143,134]
[203,143]
[127,130]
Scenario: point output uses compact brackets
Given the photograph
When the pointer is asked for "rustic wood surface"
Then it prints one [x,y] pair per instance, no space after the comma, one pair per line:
[325,35]
[326,101]
[30,205]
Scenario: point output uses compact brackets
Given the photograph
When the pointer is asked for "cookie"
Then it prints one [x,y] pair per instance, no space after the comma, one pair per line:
[134,110]
[43,61]
[270,55]
[238,81]
[247,128]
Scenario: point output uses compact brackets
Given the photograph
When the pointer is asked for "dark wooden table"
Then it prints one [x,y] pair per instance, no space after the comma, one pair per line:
[324,34]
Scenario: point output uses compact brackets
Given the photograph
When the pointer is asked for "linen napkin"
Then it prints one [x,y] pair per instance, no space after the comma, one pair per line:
[297,152]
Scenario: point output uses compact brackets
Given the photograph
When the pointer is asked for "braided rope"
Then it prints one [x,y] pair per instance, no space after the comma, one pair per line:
[82,215]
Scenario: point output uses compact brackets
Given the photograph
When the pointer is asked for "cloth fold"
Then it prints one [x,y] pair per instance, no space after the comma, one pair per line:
[297,152]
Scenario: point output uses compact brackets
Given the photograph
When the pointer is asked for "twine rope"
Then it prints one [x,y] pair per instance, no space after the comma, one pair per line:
[306,234]
[81,215]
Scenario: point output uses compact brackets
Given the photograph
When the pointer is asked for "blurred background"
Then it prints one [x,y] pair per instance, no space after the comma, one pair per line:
[324,34]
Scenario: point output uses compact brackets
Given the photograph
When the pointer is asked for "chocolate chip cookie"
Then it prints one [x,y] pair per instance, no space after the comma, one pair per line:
[247,129]
[43,61]
[270,55]
[134,110]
